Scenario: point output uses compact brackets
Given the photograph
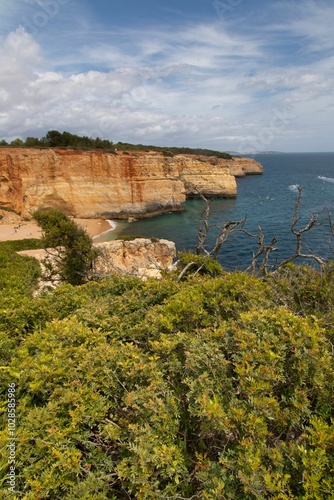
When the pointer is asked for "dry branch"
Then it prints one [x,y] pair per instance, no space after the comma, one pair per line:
[203,229]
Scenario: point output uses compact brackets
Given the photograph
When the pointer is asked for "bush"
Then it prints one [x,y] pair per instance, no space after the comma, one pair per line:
[208,388]
[307,292]
[74,253]
[18,274]
[201,264]
[25,244]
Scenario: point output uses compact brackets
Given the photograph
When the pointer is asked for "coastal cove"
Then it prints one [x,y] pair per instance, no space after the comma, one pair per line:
[267,201]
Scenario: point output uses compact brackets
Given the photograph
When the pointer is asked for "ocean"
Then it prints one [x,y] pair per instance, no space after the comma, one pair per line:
[266,200]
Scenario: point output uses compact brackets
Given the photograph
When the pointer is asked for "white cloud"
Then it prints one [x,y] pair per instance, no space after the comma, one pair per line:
[198,85]
[311,20]
[143,94]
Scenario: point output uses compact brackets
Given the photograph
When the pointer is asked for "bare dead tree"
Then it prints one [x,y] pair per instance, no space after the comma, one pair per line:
[331,234]
[184,270]
[260,260]
[315,220]
[263,251]
[204,227]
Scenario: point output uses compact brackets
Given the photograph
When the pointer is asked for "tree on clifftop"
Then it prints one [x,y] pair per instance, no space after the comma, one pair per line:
[69,246]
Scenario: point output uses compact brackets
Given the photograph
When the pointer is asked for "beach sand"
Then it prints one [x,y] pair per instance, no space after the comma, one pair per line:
[28,229]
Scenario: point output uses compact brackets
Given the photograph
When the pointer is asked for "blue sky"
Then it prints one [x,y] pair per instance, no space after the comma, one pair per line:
[241,75]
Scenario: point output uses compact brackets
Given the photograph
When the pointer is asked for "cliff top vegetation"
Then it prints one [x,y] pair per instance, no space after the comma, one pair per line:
[66,140]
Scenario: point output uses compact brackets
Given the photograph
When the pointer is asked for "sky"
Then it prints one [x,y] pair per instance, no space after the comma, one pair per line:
[229,75]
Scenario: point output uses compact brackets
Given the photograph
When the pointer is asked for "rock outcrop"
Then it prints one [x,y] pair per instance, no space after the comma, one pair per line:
[139,257]
[240,167]
[91,184]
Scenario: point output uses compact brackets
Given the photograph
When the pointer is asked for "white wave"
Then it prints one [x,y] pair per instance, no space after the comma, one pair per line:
[326,179]
[294,187]
[112,225]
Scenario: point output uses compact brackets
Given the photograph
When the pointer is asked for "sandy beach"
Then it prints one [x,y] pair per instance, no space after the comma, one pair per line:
[29,229]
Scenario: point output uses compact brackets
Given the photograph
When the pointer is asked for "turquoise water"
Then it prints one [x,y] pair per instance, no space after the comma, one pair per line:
[267,201]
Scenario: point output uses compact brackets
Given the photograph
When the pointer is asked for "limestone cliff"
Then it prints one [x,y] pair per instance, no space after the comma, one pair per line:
[96,184]
[240,167]
[139,257]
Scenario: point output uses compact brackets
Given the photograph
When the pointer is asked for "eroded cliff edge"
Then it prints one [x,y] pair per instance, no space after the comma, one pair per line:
[97,184]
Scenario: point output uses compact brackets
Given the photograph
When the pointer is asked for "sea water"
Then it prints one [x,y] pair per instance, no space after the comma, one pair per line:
[266,201]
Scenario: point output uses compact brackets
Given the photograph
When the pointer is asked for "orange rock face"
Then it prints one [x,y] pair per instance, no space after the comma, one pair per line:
[90,184]
[245,166]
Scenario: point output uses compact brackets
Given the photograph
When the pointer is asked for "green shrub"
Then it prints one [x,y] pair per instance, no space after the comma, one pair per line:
[25,244]
[307,292]
[18,274]
[74,252]
[201,264]
[214,387]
